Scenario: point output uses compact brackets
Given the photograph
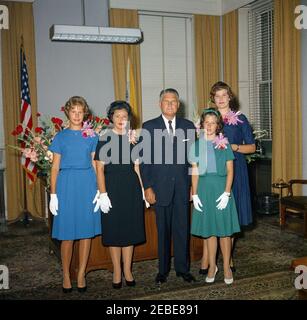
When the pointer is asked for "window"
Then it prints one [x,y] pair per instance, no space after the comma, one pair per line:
[166,60]
[261,18]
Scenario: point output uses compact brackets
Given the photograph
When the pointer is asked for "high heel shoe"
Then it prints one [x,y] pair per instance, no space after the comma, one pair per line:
[203,272]
[67,290]
[131,283]
[116,285]
[211,280]
[82,289]
[229,280]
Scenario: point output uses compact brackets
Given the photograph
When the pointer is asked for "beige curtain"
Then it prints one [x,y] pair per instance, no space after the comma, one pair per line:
[20,195]
[120,53]
[230,49]
[287,112]
[207,56]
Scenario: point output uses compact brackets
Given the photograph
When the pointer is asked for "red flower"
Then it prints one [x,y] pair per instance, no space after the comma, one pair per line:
[57,121]
[18,130]
[38,114]
[90,117]
[62,108]
[106,121]
[39,130]
[97,119]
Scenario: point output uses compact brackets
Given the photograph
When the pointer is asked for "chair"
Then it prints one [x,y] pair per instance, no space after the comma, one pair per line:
[296,203]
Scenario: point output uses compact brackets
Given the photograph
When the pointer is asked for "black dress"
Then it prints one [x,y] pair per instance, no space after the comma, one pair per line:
[123,225]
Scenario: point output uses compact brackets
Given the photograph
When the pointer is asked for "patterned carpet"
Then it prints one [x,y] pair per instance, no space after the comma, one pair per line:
[262,258]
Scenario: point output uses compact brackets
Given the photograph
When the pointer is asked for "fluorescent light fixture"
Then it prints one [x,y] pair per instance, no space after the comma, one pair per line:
[94,34]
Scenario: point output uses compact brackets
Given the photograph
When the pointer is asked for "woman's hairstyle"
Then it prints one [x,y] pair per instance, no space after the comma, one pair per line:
[220,85]
[212,112]
[118,105]
[77,101]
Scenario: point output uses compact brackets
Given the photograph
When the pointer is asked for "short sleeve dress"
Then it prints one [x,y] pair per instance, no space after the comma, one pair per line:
[76,187]
[211,184]
[124,224]
[241,133]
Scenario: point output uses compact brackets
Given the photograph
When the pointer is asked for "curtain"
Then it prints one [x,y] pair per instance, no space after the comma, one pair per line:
[20,195]
[230,49]
[287,110]
[121,53]
[207,56]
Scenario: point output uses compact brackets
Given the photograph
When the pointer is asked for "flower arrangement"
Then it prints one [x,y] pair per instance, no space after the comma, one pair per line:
[33,144]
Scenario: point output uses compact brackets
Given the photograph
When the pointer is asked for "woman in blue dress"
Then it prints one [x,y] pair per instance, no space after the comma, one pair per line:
[240,135]
[73,187]
[214,213]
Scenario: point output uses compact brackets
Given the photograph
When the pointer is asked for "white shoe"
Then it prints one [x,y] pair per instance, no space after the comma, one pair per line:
[211,280]
[228,281]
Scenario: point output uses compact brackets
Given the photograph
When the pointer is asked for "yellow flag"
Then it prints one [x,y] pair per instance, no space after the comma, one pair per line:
[130,90]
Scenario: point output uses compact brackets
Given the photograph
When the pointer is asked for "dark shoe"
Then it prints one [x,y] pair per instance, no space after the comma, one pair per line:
[186,276]
[233,268]
[131,283]
[67,290]
[161,278]
[116,285]
[82,289]
[203,272]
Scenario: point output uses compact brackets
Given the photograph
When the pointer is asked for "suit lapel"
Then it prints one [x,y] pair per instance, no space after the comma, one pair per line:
[161,123]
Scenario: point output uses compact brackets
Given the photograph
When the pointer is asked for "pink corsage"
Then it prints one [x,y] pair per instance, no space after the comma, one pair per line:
[220,142]
[132,136]
[232,118]
[87,130]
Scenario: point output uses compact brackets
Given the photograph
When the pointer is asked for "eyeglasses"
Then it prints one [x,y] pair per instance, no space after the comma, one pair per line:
[173,102]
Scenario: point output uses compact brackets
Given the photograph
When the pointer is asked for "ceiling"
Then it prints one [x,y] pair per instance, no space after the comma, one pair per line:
[213,7]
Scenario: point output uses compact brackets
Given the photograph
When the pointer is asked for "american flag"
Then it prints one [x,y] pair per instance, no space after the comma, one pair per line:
[26,113]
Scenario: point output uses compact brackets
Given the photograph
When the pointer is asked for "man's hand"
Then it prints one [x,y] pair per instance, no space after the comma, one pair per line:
[150,196]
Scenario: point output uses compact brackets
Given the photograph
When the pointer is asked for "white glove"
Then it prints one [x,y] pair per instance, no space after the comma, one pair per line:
[53,204]
[147,204]
[104,202]
[196,202]
[96,201]
[223,200]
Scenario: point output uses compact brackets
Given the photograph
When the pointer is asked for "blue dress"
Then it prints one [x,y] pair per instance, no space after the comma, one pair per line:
[239,134]
[76,187]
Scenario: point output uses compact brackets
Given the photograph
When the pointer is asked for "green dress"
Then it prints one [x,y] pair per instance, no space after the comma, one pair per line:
[211,184]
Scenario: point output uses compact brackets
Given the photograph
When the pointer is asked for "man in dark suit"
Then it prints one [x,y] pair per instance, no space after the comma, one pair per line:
[167,182]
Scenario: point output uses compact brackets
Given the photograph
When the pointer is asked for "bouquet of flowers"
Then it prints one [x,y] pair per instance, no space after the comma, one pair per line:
[33,144]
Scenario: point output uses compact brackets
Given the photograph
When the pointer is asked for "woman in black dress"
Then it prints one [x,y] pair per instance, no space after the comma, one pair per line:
[121,198]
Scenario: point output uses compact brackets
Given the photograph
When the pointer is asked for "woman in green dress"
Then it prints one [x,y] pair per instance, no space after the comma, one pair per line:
[214,214]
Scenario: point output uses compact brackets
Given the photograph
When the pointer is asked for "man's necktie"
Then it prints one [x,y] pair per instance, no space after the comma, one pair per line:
[171,130]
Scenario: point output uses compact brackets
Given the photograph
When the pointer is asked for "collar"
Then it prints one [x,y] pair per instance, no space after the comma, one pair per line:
[166,122]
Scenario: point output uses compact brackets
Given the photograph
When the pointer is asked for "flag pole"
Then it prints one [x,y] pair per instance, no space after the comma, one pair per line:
[25,213]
